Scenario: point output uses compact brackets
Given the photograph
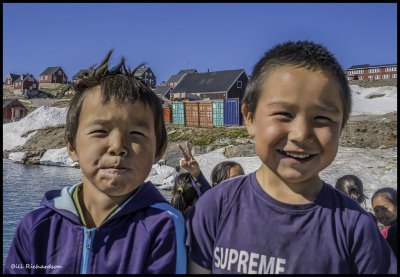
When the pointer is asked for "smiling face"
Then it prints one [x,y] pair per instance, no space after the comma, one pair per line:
[115,144]
[385,211]
[297,124]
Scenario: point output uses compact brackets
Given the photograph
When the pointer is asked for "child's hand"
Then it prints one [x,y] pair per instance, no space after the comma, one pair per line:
[188,162]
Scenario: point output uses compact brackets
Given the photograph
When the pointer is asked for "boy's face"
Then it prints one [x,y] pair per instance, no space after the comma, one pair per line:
[115,144]
[297,123]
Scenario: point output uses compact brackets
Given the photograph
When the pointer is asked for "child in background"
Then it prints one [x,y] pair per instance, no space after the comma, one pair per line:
[184,194]
[113,222]
[384,203]
[222,171]
[225,170]
[352,186]
[283,218]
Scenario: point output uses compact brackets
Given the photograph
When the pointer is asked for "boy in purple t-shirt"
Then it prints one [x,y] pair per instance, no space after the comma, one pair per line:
[283,218]
[113,222]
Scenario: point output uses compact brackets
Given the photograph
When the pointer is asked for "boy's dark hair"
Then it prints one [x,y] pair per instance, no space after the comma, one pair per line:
[184,194]
[388,193]
[221,171]
[119,84]
[304,54]
[352,186]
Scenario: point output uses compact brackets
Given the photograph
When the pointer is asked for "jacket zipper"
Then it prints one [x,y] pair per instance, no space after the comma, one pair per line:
[87,249]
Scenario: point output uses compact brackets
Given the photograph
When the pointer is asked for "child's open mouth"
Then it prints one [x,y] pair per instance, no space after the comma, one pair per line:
[298,157]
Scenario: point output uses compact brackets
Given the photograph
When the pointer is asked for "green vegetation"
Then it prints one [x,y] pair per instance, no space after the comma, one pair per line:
[220,136]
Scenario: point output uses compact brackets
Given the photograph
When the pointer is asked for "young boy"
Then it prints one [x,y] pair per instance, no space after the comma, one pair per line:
[283,218]
[113,222]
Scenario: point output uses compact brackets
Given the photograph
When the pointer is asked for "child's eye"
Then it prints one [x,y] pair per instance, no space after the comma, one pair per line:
[283,114]
[320,117]
[99,132]
[136,133]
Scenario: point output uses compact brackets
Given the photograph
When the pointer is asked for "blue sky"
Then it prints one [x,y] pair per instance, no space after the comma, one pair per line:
[170,37]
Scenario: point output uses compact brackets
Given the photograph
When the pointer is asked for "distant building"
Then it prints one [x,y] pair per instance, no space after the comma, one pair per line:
[13,110]
[163,91]
[371,72]
[75,77]
[25,83]
[213,85]
[10,79]
[146,75]
[53,75]
[175,79]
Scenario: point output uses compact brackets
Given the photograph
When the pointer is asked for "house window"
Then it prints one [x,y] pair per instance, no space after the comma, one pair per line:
[371,77]
[45,77]
[41,78]
[394,76]
[386,76]
[59,72]
[239,84]
[377,77]
[34,85]
[361,78]
[145,74]
[150,74]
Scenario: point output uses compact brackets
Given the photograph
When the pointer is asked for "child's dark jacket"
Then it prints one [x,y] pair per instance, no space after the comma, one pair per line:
[145,235]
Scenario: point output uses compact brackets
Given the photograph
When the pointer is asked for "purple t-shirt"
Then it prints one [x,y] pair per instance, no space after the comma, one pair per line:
[239,228]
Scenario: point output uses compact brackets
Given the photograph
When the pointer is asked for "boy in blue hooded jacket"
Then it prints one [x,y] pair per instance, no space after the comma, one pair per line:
[113,222]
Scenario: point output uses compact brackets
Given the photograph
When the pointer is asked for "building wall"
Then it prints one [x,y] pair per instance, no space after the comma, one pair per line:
[28,84]
[372,73]
[238,89]
[8,81]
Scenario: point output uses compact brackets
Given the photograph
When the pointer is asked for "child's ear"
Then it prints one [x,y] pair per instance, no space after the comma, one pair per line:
[71,152]
[159,156]
[249,121]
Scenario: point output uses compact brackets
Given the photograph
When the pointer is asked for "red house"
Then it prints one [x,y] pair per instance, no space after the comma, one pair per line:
[13,110]
[25,83]
[53,75]
[10,79]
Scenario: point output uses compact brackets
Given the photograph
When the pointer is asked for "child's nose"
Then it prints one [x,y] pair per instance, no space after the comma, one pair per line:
[116,145]
[301,131]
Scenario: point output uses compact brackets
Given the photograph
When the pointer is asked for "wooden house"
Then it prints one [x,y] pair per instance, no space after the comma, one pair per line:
[371,72]
[10,79]
[13,110]
[213,85]
[25,83]
[53,75]
[146,75]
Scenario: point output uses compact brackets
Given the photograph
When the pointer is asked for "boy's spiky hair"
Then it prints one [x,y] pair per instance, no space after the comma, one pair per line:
[120,84]
[303,54]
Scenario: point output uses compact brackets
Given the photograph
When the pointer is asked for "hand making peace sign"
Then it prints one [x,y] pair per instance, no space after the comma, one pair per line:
[188,162]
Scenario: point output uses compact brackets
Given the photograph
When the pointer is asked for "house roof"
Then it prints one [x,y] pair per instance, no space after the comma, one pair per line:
[218,81]
[14,76]
[367,65]
[50,71]
[7,102]
[176,78]
[163,90]
[163,98]
[141,70]
[192,70]
[19,79]
[79,72]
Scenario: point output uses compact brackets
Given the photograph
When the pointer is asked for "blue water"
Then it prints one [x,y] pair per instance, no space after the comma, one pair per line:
[24,187]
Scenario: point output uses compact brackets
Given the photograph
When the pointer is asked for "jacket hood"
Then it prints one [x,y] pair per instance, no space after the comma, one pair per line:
[61,202]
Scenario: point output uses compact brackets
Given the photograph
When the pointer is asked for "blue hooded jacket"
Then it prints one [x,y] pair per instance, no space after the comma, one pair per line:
[144,235]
